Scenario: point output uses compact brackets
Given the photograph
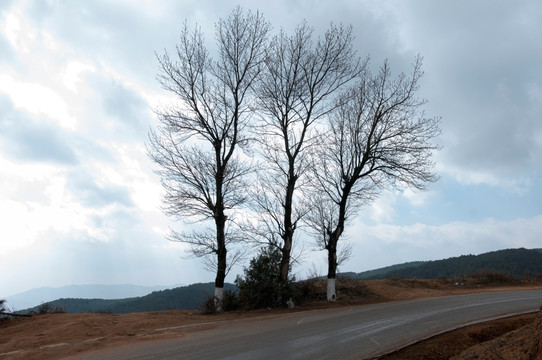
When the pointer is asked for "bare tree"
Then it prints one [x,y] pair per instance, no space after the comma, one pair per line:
[198,140]
[8,312]
[300,78]
[377,137]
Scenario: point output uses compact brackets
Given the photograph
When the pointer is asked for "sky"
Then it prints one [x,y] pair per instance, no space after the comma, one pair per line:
[80,203]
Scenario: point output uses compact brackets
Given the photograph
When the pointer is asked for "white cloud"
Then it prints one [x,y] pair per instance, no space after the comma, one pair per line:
[418,198]
[29,219]
[382,209]
[519,184]
[72,74]
[387,244]
[13,31]
[37,99]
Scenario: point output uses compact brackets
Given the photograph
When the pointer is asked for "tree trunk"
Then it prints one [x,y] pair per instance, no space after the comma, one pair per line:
[219,284]
[331,296]
[288,235]
[332,244]
[285,261]
[219,281]
[218,298]
[332,267]
[221,260]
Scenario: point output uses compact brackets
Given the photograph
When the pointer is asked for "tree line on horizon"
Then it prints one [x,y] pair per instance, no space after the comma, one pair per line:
[514,263]
[270,134]
[493,268]
[519,264]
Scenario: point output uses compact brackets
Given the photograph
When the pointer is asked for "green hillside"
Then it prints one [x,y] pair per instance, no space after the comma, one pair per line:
[182,298]
[381,272]
[516,263]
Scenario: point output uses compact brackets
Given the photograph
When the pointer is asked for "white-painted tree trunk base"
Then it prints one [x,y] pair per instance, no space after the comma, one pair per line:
[290,303]
[331,296]
[219,295]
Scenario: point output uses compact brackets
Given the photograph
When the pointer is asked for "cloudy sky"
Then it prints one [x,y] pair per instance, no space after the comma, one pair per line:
[80,204]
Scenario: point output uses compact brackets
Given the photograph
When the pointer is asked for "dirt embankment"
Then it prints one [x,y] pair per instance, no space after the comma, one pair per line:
[515,338]
[54,336]
[524,343]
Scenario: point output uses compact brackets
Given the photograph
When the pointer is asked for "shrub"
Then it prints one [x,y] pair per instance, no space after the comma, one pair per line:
[230,301]
[488,277]
[46,308]
[209,307]
[261,286]
[313,289]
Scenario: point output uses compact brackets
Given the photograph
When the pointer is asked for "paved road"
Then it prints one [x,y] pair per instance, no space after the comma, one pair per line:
[358,332]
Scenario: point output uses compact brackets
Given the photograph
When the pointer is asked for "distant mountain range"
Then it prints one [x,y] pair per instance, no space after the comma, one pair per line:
[40,295]
[517,263]
[189,297]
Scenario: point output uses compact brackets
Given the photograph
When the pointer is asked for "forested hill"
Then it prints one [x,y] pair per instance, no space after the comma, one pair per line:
[517,263]
[182,298]
[380,273]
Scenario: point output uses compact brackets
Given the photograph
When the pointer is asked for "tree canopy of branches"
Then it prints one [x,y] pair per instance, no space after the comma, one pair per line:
[196,144]
[330,135]
[295,90]
[378,136]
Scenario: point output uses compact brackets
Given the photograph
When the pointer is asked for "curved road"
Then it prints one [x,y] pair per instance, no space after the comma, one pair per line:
[358,332]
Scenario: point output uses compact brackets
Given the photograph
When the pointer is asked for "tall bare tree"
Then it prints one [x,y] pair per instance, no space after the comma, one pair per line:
[296,89]
[378,136]
[198,140]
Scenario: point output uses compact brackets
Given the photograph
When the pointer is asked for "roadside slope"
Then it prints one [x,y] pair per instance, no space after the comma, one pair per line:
[524,343]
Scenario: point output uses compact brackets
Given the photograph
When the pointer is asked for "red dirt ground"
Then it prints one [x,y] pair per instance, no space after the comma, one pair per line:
[53,336]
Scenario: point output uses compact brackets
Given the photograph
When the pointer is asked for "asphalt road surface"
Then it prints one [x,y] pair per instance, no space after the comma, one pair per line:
[358,332]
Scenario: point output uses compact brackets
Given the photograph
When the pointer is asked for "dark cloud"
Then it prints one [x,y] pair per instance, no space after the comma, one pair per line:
[481,60]
[130,35]
[6,4]
[114,112]
[94,195]
[33,139]
[499,136]
[89,148]
[113,31]
[123,105]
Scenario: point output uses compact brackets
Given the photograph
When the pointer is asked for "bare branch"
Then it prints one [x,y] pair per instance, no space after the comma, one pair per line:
[378,136]
[196,145]
[296,89]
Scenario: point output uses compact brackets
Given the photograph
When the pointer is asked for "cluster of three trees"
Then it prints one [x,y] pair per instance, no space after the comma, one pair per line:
[329,133]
